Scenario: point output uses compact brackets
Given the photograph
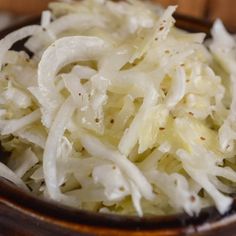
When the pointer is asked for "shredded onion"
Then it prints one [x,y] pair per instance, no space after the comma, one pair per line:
[7,42]
[118,111]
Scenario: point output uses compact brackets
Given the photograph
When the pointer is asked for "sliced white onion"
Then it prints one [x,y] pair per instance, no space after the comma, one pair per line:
[177,90]
[32,135]
[72,21]
[45,18]
[62,52]
[130,137]
[21,163]
[7,42]
[51,148]
[7,173]
[11,126]
[98,149]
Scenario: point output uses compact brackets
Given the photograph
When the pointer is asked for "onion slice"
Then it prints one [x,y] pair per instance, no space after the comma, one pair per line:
[7,42]
[63,52]
[51,148]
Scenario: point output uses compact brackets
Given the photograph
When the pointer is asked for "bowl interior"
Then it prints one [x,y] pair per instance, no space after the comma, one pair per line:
[56,213]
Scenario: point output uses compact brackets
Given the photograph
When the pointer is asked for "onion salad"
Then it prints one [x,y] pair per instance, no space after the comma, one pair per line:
[118,111]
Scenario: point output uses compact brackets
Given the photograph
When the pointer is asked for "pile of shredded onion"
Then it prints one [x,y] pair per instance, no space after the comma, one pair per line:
[118,111]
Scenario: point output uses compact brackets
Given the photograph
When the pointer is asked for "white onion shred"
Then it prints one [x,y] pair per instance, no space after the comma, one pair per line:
[177,90]
[45,19]
[20,164]
[62,52]
[10,126]
[7,42]
[10,175]
[96,148]
[50,152]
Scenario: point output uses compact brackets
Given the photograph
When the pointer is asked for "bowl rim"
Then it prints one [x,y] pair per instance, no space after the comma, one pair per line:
[61,215]
[71,218]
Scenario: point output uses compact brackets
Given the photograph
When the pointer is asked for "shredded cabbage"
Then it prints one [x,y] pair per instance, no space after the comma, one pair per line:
[118,111]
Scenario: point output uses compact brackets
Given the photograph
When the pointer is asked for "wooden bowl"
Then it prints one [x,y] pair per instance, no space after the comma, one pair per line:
[24,214]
